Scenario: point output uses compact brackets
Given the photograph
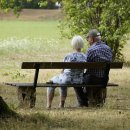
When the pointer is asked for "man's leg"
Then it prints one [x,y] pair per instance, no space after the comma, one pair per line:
[81,97]
[91,96]
[96,96]
[100,96]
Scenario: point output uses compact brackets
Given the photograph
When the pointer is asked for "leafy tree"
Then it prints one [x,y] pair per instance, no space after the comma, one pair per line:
[50,4]
[14,4]
[110,17]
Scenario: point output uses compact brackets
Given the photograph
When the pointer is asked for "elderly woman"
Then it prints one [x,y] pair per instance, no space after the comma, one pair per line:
[70,76]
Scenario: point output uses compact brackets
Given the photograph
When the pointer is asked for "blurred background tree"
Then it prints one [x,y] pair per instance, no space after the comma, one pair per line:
[17,5]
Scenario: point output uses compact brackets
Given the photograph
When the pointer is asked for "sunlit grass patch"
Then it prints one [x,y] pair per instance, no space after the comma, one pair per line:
[30,46]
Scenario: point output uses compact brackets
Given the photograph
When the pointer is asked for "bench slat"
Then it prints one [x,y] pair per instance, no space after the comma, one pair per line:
[69,65]
[61,65]
[57,85]
[116,65]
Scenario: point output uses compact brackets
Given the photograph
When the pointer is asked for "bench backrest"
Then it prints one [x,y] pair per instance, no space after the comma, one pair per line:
[70,65]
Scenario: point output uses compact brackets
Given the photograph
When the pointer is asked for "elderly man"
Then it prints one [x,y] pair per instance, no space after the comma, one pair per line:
[98,52]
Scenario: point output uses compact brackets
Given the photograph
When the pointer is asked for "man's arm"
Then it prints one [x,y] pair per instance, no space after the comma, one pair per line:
[89,56]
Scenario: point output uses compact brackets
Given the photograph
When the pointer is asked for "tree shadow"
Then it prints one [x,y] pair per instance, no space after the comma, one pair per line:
[5,111]
[42,120]
[9,119]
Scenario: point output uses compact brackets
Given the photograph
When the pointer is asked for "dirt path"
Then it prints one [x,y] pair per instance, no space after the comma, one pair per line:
[33,14]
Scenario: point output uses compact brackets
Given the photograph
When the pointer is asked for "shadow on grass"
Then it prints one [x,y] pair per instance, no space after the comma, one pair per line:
[57,119]
[9,119]
[5,111]
[38,122]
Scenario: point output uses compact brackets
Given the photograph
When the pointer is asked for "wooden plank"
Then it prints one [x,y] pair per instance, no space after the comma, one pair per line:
[61,65]
[116,65]
[57,85]
[69,65]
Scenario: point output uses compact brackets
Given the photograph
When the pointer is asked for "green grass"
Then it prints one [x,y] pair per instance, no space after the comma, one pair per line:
[30,41]
[40,41]
[29,29]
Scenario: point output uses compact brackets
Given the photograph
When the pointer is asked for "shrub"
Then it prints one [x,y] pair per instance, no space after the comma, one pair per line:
[110,17]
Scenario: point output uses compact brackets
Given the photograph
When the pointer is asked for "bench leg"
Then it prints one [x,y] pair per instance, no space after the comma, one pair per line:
[96,96]
[26,97]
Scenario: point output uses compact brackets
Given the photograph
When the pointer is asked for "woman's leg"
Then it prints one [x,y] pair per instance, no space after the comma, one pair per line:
[50,96]
[63,95]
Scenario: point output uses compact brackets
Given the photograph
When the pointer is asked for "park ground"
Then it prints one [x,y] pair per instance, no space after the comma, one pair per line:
[35,36]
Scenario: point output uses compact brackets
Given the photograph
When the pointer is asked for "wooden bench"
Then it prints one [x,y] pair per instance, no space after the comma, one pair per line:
[27,91]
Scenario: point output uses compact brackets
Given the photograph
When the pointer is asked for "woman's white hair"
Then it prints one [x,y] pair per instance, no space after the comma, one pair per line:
[77,42]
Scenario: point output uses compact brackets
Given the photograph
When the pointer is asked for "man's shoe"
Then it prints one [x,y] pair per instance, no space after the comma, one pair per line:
[80,105]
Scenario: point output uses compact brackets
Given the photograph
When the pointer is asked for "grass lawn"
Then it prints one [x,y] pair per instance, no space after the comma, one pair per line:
[40,41]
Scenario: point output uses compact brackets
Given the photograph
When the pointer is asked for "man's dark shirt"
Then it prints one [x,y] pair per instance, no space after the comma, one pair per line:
[98,52]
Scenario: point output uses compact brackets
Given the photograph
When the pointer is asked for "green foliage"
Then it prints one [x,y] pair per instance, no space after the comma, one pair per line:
[33,4]
[43,4]
[110,17]
[6,5]
[49,4]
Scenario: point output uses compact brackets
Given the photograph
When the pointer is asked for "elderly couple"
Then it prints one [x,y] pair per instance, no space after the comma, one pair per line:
[98,52]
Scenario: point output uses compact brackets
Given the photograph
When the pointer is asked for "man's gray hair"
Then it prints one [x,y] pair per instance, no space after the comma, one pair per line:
[77,42]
